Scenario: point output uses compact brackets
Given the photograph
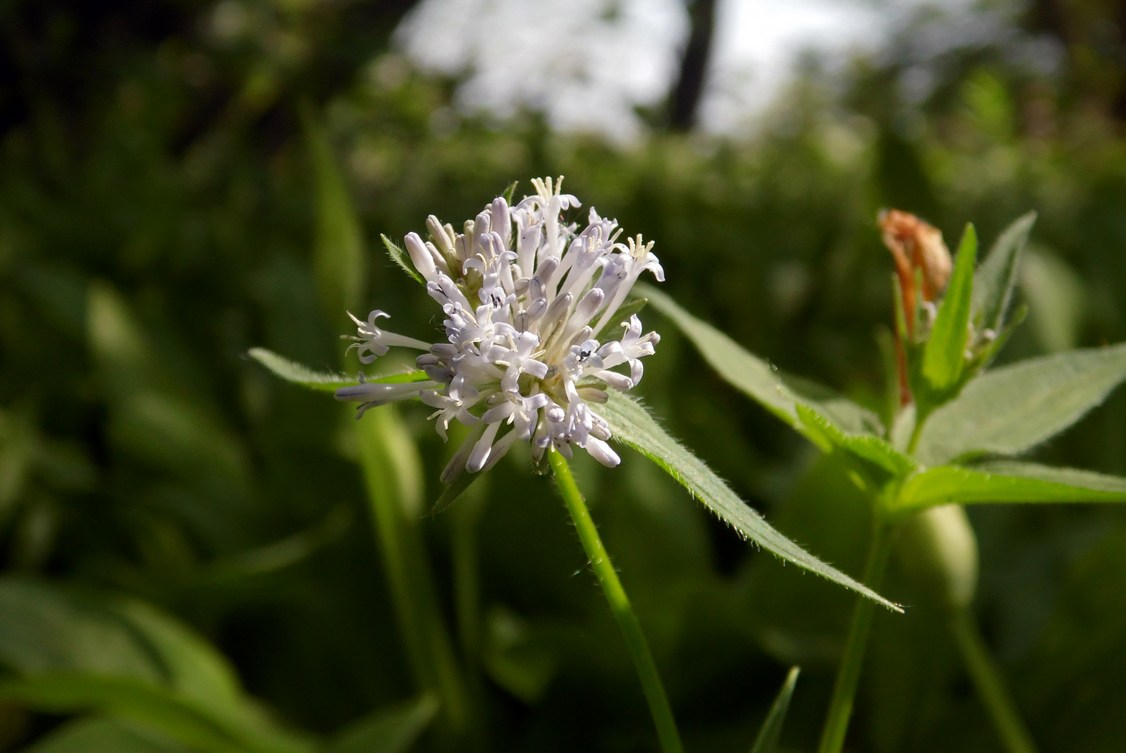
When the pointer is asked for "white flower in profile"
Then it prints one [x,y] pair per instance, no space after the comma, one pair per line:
[531,338]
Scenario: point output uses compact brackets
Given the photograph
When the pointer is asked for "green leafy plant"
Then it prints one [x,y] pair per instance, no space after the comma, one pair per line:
[954,440]
[523,294]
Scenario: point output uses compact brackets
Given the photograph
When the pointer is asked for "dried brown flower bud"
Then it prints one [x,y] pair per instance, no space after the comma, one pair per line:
[916,246]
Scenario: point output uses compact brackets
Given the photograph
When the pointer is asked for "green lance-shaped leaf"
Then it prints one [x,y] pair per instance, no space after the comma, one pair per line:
[1014,408]
[631,424]
[1005,481]
[768,736]
[777,392]
[996,277]
[944,358]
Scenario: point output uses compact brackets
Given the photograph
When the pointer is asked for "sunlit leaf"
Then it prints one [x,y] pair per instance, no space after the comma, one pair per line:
[1007,481]
[779,393]
[771,731]
[634,426]
[944,356]
[1014,408]
[867,448]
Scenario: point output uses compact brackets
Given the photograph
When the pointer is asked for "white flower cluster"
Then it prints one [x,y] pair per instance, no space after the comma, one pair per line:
[526,297]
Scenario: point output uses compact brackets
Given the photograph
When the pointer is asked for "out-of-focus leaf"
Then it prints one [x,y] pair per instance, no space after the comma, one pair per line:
[767,740]
[158,414]
[153,706]
[944,357]
[518,657]
[777,392]
[452,491]
[995,278]
[393,479]
[1058,298]
[339,263]
[109,735]
[937,550]
[47,629]
[392,730]
[74,650]
[633,425]
[1012,409]
[1006,482]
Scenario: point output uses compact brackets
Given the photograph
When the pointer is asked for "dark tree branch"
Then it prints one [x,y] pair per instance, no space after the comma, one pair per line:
[685,97]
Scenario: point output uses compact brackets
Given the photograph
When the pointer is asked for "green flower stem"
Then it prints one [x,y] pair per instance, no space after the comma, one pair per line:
[986,677]
[422,626]
[465,516]
[848,674]
[619,605]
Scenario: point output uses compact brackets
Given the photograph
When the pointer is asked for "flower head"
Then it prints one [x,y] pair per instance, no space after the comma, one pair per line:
[532,339]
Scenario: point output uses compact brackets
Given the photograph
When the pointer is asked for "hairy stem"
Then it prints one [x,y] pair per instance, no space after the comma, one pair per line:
[619,605]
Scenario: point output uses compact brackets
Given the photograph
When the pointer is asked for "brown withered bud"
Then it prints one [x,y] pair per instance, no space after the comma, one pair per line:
[919,254]
[916,247]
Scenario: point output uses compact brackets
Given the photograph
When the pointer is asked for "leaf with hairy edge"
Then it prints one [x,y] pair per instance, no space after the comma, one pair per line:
[944,358]
[1008,481]
[1014,408]
[297,373]
[870,449]
[631,424]
[767,740]
[322,381]
[401,259]
[777,392]
[995,278]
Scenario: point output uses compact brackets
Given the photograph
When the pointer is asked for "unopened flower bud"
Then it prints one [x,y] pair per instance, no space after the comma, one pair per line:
[916,247]
[938,550]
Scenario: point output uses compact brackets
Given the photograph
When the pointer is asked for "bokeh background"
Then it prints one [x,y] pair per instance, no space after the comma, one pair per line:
[182,181]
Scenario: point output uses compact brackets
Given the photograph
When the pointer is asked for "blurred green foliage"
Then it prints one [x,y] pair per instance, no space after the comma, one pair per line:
[158,217]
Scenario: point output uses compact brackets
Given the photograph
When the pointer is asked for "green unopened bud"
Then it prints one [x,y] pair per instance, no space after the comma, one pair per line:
[938,550]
